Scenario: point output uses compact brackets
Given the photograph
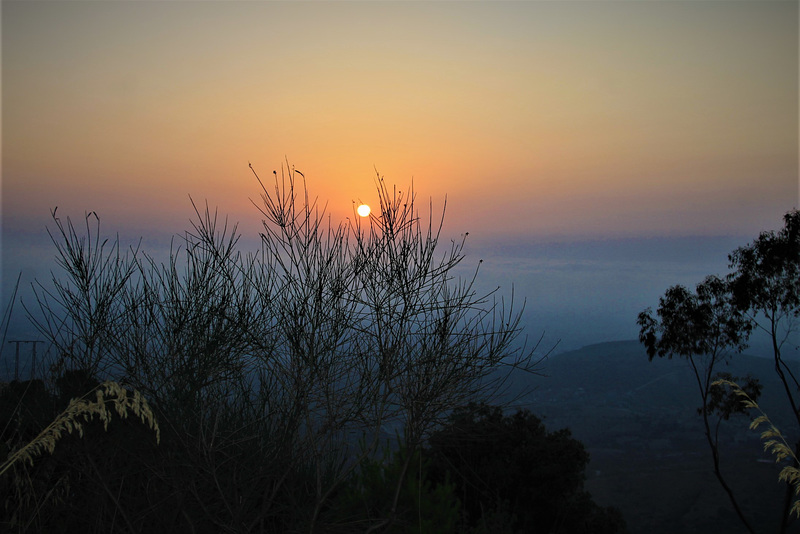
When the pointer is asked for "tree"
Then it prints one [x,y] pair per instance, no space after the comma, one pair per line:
[704,328]
[274,374]
[708,326]
[765,285]
[512,475]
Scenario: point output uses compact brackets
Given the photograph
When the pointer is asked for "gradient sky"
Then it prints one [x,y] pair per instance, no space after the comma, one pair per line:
[590,119]
[540,121]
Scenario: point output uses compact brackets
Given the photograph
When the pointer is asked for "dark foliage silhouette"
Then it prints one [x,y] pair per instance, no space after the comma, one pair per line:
[512,475]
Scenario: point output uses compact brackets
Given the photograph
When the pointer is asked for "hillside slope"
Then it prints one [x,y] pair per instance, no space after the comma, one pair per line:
[639,421]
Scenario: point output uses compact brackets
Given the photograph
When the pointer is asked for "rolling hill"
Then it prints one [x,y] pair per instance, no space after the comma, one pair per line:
[639,421]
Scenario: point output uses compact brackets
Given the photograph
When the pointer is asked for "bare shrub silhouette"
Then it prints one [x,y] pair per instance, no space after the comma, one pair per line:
[275,373]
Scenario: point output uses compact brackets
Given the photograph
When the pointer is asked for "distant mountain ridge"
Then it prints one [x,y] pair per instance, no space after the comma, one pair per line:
[618,367]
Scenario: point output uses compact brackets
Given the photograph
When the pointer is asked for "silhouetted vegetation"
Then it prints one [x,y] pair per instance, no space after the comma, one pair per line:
[276,377]
[711,324]
[512,475]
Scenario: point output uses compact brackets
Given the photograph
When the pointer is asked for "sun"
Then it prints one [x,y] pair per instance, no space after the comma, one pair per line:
[363,210]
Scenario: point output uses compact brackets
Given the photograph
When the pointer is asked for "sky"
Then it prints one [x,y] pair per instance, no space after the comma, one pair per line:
[539,121]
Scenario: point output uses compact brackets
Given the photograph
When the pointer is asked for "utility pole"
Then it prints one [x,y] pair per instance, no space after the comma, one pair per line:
[33,356]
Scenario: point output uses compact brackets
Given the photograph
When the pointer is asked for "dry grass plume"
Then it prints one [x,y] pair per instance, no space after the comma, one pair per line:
[108,396]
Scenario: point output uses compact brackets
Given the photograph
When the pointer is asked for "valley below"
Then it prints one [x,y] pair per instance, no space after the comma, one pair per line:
[649,456]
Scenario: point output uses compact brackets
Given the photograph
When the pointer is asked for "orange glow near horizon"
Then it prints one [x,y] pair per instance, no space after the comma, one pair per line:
[573,119]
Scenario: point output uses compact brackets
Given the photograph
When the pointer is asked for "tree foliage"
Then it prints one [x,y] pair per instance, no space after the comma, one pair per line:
[422,507]
[766,273]
[699,323]
[512,475]
[765,285]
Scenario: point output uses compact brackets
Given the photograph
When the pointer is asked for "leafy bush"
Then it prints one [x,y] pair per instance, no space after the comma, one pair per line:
[418,506]
[512,475]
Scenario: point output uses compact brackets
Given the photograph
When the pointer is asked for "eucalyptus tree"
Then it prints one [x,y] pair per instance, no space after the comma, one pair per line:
[765,285]
[705,328]
[761,293]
